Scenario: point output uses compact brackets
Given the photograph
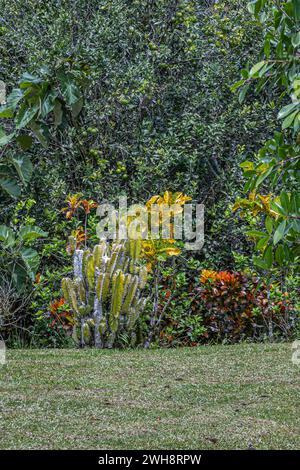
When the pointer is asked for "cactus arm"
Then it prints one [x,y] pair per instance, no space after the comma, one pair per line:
[69,293]
[97,319]
[82,342]
[85,257]
[78,255]
[87,333]
[111,340]
[113,262]
[132,288]
[117,293]
[143,277]
[102,286]
[90,271]
[105,291]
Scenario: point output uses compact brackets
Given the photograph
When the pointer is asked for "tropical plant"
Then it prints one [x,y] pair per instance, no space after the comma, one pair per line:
[29,109]
[60,315]
[236,306]
[19,261]
[79,235]
[105,293]
[277,164]
[162,211]
[157,248]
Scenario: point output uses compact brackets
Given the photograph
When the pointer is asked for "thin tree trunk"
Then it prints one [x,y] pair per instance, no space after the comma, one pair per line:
[154,309]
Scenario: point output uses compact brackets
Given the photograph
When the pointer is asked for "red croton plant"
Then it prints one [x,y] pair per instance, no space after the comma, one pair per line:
[79,235]
[74,202]
[239,305]
[61,316]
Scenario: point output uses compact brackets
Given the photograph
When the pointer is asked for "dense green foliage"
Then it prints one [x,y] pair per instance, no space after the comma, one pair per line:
[276,168]
[125,97]
[158,101]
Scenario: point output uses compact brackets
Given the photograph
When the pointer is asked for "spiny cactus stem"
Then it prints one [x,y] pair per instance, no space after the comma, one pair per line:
[82,343]
[78,255]
[110,341]
[105,291]
[98,313]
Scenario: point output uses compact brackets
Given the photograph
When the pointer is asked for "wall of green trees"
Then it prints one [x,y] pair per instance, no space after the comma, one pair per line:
[144,90]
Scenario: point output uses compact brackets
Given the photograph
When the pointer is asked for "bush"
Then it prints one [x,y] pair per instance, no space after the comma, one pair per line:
[236,306]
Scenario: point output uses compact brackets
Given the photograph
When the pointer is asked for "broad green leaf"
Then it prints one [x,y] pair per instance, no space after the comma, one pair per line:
[243,93]
[267,47]
[258,261]
[255,233]
[247,166]
[262,243]
[279,255]
[5,138]
[70,91]
[288,254]
[6,112]
[288,122]
[269,224]
[276,207]
[48,103]
[19,276]
[29,233]
[263,176]
[24,167]
[25,115]
[28,80]
[296,39]
[268,257]
[297,123]
[296,5]
[256,68]
[288,8]
[6,236]
[14,97]
[286,110]
[25,141]
[77,107]
[251,6]
[285,201]
[279,232]
[11,186]
[39,133]
[296,225]
[255,6]
[237,85]
[31,260]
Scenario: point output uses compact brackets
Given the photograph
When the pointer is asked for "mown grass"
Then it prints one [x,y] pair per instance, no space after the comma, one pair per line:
[215,397]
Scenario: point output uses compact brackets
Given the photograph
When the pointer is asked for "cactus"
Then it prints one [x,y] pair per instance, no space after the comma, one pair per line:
[105,293]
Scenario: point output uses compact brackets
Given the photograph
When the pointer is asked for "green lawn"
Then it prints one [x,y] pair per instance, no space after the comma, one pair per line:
[215,397]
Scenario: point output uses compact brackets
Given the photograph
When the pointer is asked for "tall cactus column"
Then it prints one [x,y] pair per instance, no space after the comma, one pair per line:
[105,293]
